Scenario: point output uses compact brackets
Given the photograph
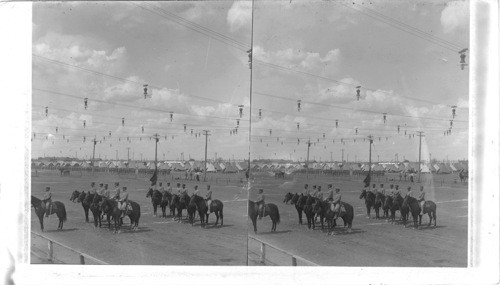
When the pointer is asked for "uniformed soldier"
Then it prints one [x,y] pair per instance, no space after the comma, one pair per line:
[261,202]
[178,190]
[374,190]
[105,191]
[116,190]
[169,188]
[313,192]
[306,190]
[421,199]
[100,189]
[208,197]
[161,189]
[93,189]
[47,200]
[195,192]
[335,207]
[409,193]
[391,189]
[184,190]
[329,196]
[382,190]
[122,201]
[397,192]
[319,194]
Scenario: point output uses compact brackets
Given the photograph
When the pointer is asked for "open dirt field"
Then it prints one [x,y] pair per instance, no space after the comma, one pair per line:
[159,241]
[372,242]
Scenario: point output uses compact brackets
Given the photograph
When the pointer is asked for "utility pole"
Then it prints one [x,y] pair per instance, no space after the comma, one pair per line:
[116,154]
[378,158]
[128,154]
[342,156]
[430,157]
[420,135]
[331,156]
[141,156]
[307,161]
[157,138]
[370,138]
[396,157]
[206,133]
[94,142]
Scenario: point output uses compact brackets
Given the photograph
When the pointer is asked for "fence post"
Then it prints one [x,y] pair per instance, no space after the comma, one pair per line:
[294,261]
[262,253]
[51,251]
[82,259]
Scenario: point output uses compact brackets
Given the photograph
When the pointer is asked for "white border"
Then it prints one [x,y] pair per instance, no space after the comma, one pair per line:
[15,118]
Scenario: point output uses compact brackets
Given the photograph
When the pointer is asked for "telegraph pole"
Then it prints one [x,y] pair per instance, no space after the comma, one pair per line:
[370,138]
[157,138]
[93,154]
[307,161]
[116,154]
[342,156]
[128,154]
[420,135]
[206,133]
[331,156]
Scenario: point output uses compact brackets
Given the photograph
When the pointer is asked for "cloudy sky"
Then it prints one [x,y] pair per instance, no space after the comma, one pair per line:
[193,56]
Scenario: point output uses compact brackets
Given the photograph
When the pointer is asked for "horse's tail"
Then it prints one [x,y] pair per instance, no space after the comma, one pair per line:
[277,215]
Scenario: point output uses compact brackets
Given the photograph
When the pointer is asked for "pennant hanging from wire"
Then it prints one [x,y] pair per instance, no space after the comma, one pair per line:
[385,117]
[298,105]
[85,103]
[240,107]
[84,123]
[336,123]
[123,122]
[453,111]
[358,92]
[260,113]
[46,111]
[171,117]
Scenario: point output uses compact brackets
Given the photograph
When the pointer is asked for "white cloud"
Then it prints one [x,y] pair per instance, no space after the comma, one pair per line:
[455,16]
[240,15]
[308,61]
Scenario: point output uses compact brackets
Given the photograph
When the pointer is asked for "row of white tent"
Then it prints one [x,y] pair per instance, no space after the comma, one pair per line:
[382,167]
[190,166]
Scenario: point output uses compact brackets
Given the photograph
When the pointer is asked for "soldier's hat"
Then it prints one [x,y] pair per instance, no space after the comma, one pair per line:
[92,183]
[195,186]
[183,185]
[381,185]
[117,183]
[178,184]
[337,189]
[330,185]
[319,187]
[168,183]
[261,190]
[374,185]
[47,188]
[392,185]
[124,187]
[409,187]
[314,186]
[397,186]
[208,186]
[101,184]
[421,186]
[161,184]
[105,185]
[306,185]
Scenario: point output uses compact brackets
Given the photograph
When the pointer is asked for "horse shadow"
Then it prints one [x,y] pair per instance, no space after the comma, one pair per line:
[275,232]
[425,227]
[343,231]
[217,226]
[139,230]
[62,230]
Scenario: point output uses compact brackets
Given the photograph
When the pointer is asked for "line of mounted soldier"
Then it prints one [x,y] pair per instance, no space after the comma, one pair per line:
[325,205]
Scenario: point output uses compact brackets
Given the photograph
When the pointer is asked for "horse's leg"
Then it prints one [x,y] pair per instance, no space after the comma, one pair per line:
[40,218]
[368,211]
[86,210]
[154,209]
[300,215]
[221,215]
[434,214]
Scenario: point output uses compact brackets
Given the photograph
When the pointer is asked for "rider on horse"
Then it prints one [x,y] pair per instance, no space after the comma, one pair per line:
[208,197]
[92,188]
[47,200]
[104,192]
[396,192]
[421,199]
[306,191]
[196,191]
[382,190]
[169,188]
[178,189]
[409,193]
[161,189]
[122,199]
[319,194]
[184,191]
[329,196]
[313,192]
[261,202]
[391,189]
[335,206]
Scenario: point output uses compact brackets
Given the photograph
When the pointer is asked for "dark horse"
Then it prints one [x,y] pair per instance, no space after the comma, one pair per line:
[110,207]
[56,207]
[298,201]
[217,208]
[379,203]
[397,205]
[95,207]
[166,200]
[414,206]
[323,209]
[307,206]
[198,204]
[464,176]
[156,199]
[77,197]
[180,203]
[387,206]
[270,209]
[369,202]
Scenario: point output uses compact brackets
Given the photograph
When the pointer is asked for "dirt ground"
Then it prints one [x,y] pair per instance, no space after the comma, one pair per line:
[159,241]
[372,242]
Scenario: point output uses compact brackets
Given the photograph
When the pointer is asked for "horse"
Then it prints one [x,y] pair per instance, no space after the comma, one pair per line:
[216,207]
[199,204]
[397,205]
[64,171]
[414,207]
[430,209]
[324,210]
[180,203]
[166,200]
[464,176]
[379,203]
[387,206]
[279,174]
[77,197]
[270,210]
[56,207]
[156,198]
[369,201]
[298,201]
[95,207]
[307,206]
[110,207]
